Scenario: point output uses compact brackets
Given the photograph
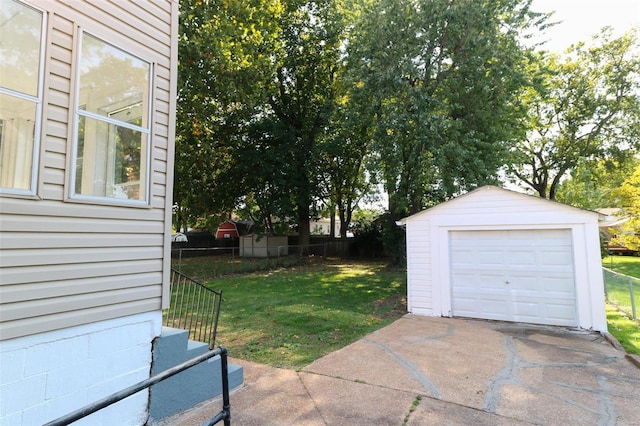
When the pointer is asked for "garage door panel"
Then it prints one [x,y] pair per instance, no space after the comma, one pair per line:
[560,314]
[492,309]
[547,279]
[543,313]
[483,279]
[513,275]
[488,257]
[558,286]
[521,282]
[520,258]
[531,311]
[556,257]
[472,259]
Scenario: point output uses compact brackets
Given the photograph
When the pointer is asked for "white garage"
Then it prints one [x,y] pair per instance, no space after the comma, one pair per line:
[501,255]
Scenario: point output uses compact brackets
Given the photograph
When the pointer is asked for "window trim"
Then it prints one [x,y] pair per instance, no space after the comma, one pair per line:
[78,112]
[32,192]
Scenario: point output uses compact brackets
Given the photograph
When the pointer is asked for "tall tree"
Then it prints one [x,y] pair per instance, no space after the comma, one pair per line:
[585,107]
[256,95]
[301,100]
[225,62]
[439,80]
[346,147]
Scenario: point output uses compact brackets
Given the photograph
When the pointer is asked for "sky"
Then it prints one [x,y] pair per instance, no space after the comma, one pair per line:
[581,19]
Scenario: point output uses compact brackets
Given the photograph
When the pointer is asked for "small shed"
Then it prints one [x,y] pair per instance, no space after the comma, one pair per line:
[502,255]
[227,229]
[267,245]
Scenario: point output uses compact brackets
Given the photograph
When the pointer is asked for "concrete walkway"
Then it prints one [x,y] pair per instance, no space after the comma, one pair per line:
[424,371]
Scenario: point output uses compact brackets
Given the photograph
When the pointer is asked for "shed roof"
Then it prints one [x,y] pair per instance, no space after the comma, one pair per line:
[488,190]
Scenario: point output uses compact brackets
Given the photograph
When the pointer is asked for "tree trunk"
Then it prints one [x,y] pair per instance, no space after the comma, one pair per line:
[304,234]
[343,224]
[269,224]
[332,222]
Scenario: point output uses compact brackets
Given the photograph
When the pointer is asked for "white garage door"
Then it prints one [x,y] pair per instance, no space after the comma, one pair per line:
[513,275]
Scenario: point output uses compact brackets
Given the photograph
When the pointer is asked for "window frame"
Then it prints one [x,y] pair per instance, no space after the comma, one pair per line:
[38,100]
[80,113]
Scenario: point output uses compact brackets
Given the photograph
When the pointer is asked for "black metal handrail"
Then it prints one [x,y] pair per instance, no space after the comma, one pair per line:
[194,307]
[224,414]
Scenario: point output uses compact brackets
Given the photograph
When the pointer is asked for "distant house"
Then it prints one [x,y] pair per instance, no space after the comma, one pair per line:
[322,226]
[87,119]
[611,227]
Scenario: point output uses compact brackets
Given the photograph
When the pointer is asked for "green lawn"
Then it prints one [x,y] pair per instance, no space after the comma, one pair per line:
[202,268]
[620,322]
[628,265]
[624,329]
[291,317]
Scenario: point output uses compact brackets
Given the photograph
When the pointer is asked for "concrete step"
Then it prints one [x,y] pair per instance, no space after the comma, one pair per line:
[190,387]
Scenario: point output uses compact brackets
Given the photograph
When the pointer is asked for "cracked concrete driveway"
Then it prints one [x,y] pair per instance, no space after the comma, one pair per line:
[423,371]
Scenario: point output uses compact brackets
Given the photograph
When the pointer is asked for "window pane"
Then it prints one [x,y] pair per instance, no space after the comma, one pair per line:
[17,130]
[20,32]
[111,81]
[110,161]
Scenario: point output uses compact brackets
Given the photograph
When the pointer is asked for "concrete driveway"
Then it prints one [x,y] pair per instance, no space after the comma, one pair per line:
[423,371]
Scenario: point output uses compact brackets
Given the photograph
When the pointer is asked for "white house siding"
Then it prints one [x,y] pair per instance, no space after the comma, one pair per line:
[492,208]
[45,376]
[65,263]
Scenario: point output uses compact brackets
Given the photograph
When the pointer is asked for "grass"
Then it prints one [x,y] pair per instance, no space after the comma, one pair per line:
[628,265]
[624,329]
[290,317]
[619,320]
[203,268]
[617,286]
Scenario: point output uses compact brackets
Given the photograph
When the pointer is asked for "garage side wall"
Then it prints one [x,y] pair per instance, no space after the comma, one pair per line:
[591,300]
[419,268]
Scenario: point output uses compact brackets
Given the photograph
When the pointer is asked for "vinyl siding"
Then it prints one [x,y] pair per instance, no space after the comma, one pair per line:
[419,271]
[64,262]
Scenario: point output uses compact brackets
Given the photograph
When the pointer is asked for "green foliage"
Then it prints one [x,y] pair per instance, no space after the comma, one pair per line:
[286,106]
[256,94]
[584,107]
[225,53]
[365,216]
[346,147]
[594,184]
[629,193]
[301,101]
[437,80]
[367,230]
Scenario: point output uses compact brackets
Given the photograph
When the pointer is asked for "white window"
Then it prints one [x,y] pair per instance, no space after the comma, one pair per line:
[112,146]
[21,51]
